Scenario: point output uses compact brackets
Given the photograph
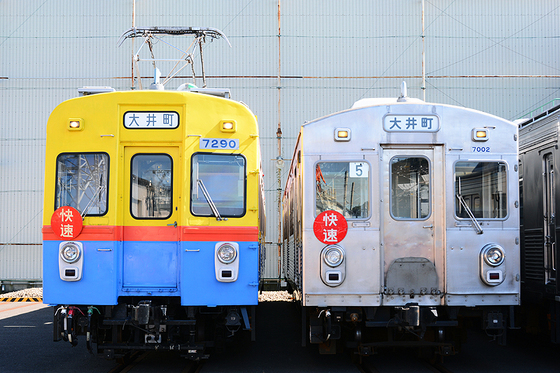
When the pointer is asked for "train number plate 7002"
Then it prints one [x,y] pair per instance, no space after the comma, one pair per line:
[219,143]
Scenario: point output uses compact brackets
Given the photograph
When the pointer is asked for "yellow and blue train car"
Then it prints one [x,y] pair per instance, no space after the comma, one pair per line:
[153,220]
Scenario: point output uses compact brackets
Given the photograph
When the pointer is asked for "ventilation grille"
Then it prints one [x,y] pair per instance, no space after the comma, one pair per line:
[533,255]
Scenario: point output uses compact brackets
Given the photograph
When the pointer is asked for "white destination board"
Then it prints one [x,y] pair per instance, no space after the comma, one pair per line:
[411,123]
[151,119]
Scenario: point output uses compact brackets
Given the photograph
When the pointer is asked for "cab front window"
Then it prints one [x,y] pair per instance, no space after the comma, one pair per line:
[342,187]
[82,181]
[218,185]
[481,188]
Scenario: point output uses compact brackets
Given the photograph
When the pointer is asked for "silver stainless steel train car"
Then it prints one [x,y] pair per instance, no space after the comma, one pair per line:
[539,159]
[401,219]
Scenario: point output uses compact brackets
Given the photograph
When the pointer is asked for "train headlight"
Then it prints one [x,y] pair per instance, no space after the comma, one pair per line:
[333,256]
[493,254]
[70,252]
[226,253]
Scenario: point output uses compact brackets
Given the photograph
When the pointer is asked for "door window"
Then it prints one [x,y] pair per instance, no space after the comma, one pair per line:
[410,188]
[151,181]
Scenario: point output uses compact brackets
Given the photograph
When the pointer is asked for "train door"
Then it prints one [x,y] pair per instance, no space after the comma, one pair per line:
[412,181]
[150,234]
[549,215]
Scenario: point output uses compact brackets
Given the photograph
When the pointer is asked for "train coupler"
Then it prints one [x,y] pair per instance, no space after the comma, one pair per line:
[446,350]
[494,321]
[364,350]
[495,326]
[233,321]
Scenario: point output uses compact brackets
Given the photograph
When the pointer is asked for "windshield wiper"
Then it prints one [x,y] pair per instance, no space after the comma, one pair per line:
[476,225]
[90,203]
[209,200]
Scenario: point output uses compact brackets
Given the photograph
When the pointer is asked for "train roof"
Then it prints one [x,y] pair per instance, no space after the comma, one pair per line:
[371,103]
[365,102]
[404,101]
[544,114]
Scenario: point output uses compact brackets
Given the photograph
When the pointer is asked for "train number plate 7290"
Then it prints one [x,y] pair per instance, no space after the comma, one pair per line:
[219,143]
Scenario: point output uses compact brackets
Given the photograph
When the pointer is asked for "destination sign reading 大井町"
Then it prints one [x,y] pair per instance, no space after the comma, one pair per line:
[151,119]
[411,123]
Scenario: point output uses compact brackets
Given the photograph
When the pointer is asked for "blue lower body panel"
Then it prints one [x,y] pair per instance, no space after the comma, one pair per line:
[200,285]
[99,282]
[150,265]
[151,269]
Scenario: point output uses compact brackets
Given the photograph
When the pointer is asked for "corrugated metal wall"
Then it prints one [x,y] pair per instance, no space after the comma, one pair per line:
[290,61]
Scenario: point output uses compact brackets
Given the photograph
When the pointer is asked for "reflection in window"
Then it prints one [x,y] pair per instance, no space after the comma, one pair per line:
[343,187]
[81,182]
[151,186]
[223,175]
[483,187]
[410,188]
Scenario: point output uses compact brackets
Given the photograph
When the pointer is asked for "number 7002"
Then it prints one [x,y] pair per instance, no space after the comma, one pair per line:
[481,149]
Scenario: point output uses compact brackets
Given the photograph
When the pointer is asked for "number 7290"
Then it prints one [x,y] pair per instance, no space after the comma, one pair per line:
[219,143]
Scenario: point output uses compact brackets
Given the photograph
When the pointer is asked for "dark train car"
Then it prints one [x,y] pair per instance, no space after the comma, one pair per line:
[538,159]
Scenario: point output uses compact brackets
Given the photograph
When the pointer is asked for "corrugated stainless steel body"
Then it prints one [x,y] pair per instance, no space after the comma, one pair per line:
[289,62]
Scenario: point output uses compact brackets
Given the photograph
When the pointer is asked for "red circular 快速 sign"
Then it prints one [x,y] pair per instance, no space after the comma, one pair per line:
[330,227]
[66,222]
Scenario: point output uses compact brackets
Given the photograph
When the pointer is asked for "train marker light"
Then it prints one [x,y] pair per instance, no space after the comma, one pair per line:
[494,277]
[75,124]
[480,134]
[342,134]
[228,126]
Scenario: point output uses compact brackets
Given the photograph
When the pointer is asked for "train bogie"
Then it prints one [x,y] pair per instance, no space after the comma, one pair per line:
[401,219]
